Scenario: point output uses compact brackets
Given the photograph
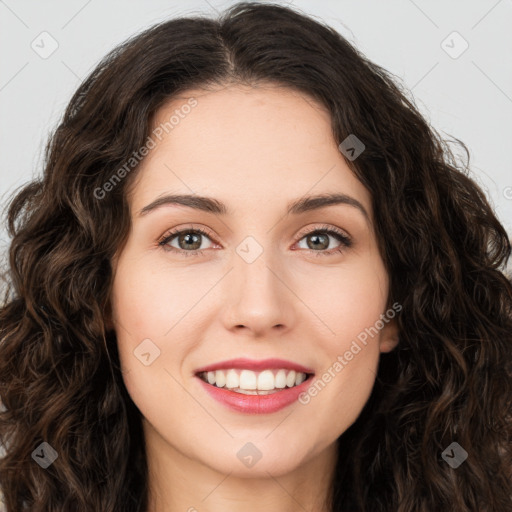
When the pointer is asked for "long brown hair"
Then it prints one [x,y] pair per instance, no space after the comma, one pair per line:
[449,379]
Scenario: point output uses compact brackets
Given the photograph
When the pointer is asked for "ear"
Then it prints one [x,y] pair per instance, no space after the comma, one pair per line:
[389,336]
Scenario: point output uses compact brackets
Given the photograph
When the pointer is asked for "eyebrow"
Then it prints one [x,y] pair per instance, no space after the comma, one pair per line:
[211,205]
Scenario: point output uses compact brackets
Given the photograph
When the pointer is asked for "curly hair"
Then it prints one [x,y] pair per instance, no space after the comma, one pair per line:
[450,377]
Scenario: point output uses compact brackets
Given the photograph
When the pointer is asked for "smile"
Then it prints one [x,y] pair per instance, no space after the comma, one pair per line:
[255,387]
[249,382]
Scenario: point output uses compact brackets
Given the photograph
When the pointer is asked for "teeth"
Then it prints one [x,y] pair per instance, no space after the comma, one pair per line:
[251,383]
[220,379]
[266,380]
[248,380]
[280,379]
[290,378]
[232,379]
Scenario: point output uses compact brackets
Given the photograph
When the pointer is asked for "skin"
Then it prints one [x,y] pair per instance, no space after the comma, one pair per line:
[255,149]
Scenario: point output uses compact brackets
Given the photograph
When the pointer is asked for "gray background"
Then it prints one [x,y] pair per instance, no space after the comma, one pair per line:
[468,97]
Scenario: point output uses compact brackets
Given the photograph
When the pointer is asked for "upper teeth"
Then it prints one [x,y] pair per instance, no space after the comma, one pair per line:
[249,380]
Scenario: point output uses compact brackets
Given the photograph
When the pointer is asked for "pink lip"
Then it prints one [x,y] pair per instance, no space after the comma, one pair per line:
[256,404]
[252,364]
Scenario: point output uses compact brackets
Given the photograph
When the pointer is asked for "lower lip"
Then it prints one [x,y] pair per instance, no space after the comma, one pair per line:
[256,404]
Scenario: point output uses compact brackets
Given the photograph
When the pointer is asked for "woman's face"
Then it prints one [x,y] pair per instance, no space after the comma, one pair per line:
[262,283]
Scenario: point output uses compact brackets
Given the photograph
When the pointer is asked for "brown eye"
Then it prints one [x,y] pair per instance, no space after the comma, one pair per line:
[189,240]
[185,241]
[318,241]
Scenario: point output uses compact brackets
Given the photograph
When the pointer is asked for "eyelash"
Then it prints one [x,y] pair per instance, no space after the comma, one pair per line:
[345,240]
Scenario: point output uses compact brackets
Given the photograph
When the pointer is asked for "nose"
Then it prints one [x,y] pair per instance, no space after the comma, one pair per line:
[259,299]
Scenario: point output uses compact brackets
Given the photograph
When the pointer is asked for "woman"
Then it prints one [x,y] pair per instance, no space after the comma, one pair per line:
[253,277]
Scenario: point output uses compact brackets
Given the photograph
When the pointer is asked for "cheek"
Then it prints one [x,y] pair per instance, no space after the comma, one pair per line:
[142,306]
[349,303]
[340,391]
[148,300]
[347,300]
[151,304]
[137,304]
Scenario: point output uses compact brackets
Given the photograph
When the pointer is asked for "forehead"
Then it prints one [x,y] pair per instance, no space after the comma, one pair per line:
[268,142]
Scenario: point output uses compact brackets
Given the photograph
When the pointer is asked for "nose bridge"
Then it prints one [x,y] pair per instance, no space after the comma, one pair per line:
[258,298]
[254,273]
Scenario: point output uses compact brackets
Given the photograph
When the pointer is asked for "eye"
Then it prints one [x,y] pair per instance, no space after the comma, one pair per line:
[319,239]
[188,241]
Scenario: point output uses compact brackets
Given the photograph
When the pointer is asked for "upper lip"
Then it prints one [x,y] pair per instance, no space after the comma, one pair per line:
[255,365]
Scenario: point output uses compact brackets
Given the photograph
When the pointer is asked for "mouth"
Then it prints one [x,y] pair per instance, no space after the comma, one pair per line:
[249,382]
[252,386]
